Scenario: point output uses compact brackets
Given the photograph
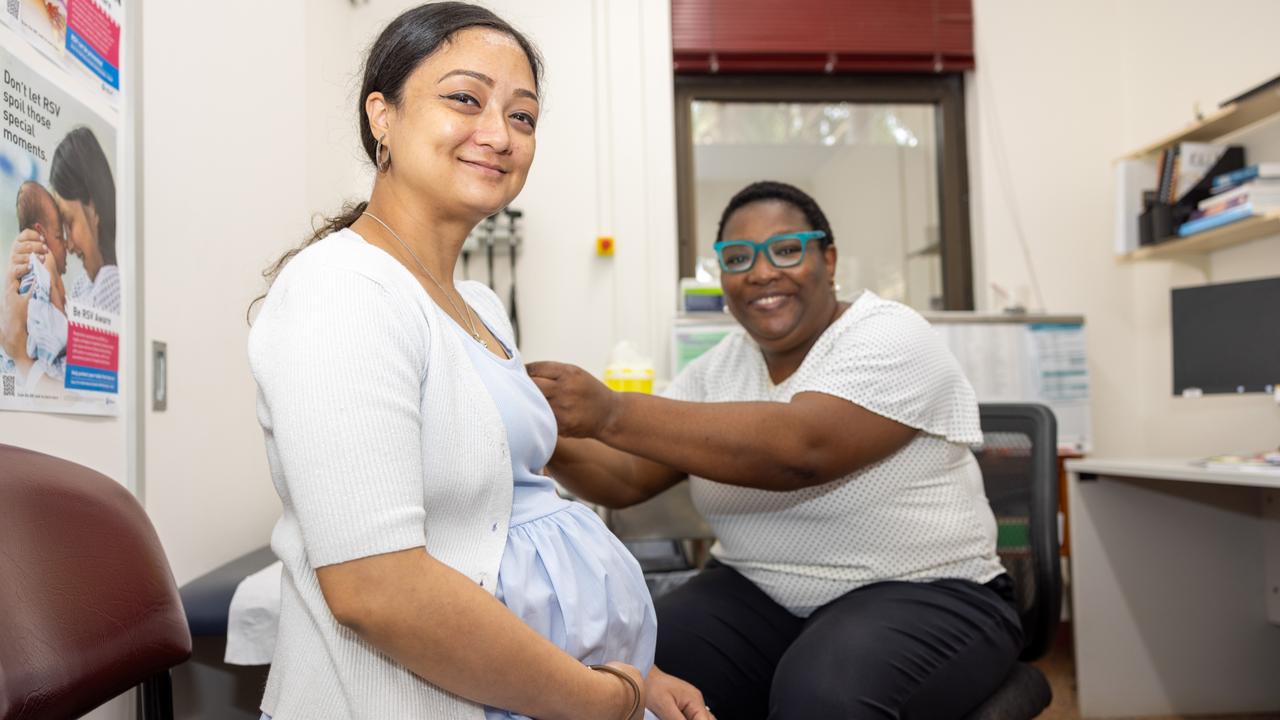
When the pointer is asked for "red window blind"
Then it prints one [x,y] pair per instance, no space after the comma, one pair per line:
[822,35]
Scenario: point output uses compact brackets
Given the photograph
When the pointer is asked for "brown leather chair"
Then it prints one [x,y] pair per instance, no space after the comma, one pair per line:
[88,605]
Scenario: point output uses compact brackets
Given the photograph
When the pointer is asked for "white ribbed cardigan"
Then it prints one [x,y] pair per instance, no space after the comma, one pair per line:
[380,437]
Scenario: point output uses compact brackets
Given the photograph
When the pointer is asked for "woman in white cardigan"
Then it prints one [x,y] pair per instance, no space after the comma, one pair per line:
[430,569]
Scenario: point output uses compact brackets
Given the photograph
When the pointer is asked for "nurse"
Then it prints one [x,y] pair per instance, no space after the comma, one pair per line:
[827,443]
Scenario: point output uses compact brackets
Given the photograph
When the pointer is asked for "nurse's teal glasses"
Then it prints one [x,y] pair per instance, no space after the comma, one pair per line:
[783,251]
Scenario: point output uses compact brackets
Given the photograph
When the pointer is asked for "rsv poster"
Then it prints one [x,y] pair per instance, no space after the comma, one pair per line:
[60,311]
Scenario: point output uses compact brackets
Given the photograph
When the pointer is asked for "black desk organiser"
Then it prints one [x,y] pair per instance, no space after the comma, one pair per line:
[1160,221]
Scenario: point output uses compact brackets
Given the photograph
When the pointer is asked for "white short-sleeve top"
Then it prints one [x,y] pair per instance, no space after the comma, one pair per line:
[920,514]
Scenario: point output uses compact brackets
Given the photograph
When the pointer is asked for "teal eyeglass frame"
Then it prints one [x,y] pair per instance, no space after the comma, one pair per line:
[764,245]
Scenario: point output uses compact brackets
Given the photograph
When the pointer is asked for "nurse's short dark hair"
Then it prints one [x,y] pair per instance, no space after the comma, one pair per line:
[780,192]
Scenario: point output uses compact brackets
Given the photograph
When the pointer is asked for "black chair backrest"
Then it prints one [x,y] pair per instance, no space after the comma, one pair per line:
[88,605]
[1019,461]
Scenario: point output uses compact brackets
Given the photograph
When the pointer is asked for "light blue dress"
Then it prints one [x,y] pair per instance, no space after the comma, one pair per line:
[562,572]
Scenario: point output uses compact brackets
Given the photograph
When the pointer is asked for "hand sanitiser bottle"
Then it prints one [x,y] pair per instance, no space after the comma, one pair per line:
[628,371]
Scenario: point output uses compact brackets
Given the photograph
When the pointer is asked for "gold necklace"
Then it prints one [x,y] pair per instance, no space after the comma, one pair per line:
[471,323]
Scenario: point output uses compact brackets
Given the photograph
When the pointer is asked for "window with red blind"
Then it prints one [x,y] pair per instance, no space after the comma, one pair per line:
[727,36]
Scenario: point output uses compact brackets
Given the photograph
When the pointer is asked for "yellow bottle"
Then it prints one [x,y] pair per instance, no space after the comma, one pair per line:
[628,371]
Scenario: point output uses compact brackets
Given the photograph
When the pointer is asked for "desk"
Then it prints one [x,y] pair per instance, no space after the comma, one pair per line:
[1175,588]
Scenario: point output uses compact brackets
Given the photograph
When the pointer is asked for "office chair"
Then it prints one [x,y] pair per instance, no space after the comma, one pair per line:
[1020,471]
[88,606]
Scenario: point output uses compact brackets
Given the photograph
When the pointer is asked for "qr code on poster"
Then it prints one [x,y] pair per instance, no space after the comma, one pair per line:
[10,385]
[12,7]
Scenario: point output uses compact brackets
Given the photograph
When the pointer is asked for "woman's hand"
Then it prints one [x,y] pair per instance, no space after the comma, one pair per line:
[671,698]
[582,404]
[27,243]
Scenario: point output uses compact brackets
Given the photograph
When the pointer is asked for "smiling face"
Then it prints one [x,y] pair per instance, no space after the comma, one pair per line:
[462,136]
[80,227]
[783,309]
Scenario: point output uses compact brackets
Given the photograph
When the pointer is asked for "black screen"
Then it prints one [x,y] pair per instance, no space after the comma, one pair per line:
[1226,337]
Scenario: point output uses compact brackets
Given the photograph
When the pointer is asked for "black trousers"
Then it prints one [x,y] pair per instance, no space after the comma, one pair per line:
[889,650]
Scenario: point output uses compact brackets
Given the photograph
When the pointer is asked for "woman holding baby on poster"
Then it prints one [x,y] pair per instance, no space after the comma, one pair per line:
[76,214]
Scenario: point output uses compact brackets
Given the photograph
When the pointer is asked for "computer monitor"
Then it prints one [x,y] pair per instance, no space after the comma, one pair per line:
[1226,337]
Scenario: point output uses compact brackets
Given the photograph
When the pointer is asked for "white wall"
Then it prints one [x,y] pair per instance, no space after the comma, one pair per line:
[225,182]
[1060,90]
[95,442]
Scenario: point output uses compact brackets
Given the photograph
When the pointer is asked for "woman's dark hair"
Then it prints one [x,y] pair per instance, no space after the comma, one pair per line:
[790,194]
[80,172]
[401,47]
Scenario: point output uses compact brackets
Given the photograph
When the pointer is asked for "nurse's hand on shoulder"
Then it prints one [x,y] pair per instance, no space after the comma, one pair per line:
[671,698]
[582,404]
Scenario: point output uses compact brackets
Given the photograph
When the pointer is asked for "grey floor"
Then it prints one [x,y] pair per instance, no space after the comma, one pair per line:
[1059,667]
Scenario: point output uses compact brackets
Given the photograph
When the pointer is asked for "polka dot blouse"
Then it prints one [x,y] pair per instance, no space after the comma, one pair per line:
[920,514]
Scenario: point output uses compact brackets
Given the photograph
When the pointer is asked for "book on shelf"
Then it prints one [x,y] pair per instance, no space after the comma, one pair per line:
[1226,217]
[1257,171]
[1217,207]
[1252,188]
[1165,173]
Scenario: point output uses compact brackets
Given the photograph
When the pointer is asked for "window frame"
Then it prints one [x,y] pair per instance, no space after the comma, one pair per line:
[945,91]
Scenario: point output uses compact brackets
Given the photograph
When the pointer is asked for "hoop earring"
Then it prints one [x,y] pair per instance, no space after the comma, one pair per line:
[377,157]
